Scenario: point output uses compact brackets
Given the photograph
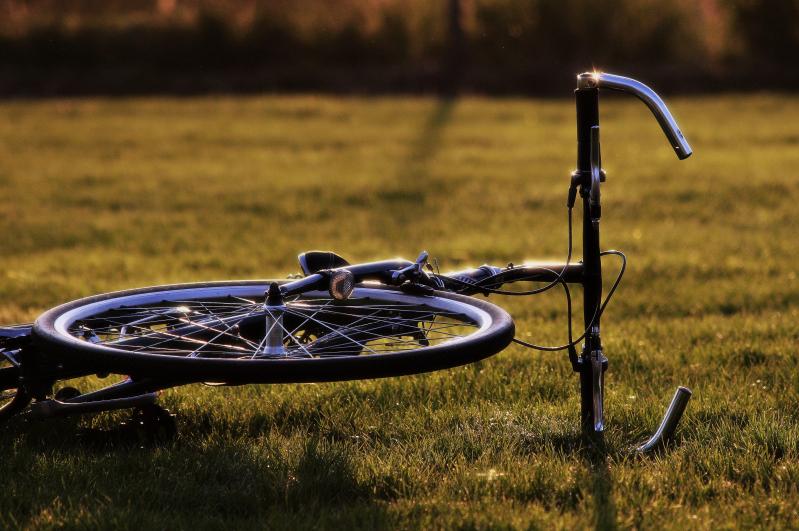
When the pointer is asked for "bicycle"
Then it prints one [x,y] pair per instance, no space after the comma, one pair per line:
[337,321]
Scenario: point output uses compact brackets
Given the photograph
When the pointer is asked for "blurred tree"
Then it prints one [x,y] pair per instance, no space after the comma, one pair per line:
[768,29]
[452,69]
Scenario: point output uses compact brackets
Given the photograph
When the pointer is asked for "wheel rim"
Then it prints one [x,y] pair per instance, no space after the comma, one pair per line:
[230,322]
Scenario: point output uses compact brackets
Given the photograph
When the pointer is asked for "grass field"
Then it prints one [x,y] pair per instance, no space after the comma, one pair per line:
[100,195]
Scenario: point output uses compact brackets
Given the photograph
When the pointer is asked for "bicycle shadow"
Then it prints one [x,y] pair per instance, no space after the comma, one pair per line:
[302,485]
[408,189]
[595,457]
[594,453]
[321,473]
[428,142]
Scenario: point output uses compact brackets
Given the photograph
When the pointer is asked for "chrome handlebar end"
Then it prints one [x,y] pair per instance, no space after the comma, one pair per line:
[599,80]
[669,423]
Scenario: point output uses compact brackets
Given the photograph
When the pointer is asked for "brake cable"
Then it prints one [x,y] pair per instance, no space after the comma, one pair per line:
[486,290]
[597,313]
[558,280]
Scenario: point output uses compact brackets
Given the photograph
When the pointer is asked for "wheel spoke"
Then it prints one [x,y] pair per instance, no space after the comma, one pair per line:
[333,330]
[312,326]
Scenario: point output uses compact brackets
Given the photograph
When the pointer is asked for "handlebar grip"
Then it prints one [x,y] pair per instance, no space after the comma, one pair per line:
[474,276]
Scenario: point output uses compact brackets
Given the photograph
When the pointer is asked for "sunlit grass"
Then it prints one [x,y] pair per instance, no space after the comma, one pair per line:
[100,195]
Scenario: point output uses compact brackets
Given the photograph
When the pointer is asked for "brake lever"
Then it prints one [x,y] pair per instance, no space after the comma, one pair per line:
[412,271]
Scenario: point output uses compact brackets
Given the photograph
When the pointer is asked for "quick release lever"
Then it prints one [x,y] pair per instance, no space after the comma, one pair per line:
[594,205]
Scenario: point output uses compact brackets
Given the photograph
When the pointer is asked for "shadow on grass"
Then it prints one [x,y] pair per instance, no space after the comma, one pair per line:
[595,457]
[308,483]
[428,142]
[407,191]
[594,454]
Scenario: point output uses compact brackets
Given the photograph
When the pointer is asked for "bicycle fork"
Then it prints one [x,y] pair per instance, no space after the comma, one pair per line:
[592,363]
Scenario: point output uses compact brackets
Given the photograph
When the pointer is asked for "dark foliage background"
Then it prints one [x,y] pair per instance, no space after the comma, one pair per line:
[496,46]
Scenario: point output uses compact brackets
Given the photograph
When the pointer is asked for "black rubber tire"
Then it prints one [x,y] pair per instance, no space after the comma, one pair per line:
[443,356]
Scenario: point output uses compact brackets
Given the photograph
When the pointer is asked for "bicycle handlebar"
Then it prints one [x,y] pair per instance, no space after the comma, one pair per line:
[667,122]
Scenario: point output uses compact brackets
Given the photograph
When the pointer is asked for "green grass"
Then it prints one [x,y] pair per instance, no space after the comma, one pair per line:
[100,195]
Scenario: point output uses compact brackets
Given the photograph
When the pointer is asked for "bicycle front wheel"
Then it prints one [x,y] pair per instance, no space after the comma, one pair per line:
[224,332]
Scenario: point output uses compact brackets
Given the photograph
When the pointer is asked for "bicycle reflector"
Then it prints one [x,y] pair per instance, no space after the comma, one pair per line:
[342,282]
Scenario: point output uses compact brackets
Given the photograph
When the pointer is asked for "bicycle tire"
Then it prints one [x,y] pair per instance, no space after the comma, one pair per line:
[51,334]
